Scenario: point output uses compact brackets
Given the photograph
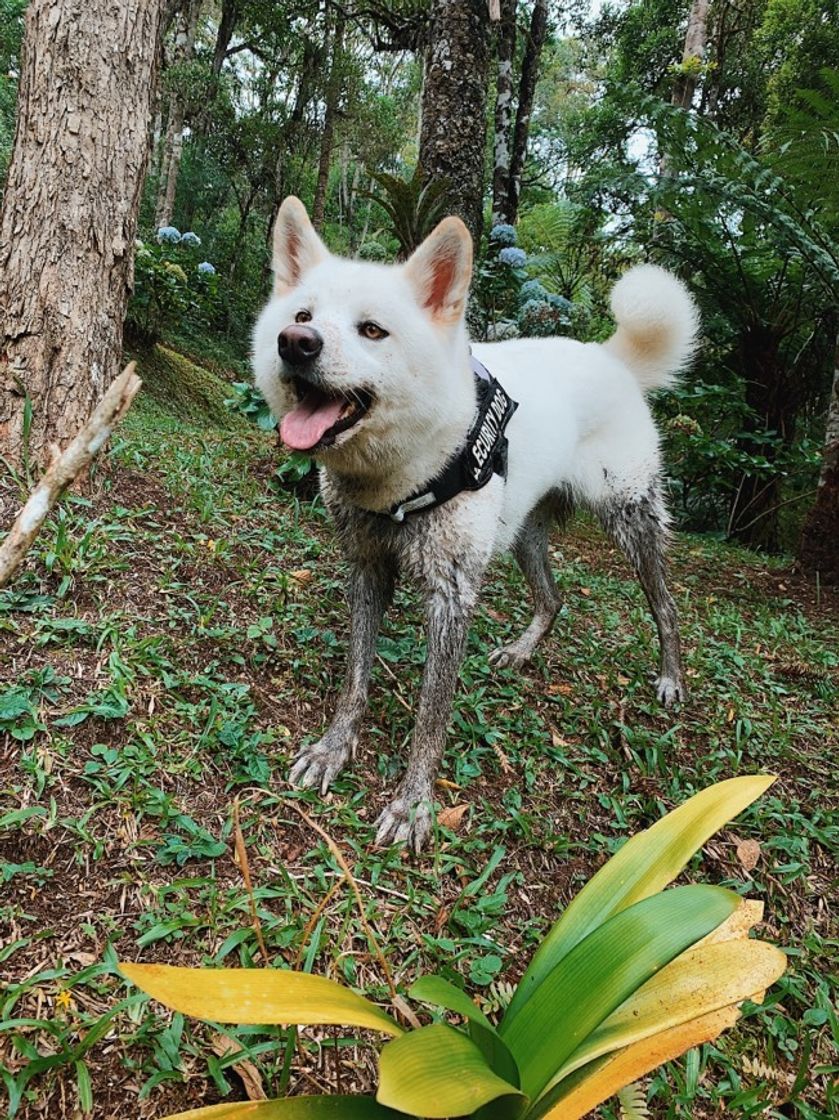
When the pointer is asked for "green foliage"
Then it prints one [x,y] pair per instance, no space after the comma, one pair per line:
[414,206]
[172,291]
[11,36]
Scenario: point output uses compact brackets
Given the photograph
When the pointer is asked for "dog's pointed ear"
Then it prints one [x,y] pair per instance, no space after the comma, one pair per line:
[440,270]
[297,247]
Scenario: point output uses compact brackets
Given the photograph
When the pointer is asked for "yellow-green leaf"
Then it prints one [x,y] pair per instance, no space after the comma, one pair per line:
[436,1072]
[602,971]
[702,980]
[293,1108]
[258,995]
[597,1082]
[442,993]
[642,867]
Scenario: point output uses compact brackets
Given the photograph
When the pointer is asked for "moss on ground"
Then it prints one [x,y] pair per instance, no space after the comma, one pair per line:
[190,391]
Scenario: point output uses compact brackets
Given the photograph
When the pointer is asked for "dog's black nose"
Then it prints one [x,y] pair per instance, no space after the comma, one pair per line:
[299,344]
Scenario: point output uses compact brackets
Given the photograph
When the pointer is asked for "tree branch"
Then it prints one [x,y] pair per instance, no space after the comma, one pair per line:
[67,467]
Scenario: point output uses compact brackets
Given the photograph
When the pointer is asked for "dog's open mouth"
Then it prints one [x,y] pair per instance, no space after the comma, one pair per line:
[321,415]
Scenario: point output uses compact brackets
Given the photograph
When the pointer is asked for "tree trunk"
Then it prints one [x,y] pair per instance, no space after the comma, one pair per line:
[527,92]
[454,103]
[696,39]
[753,518]
[819,547]
[226,27]
[69,214]
[334,86]
[173,141]
[505,45]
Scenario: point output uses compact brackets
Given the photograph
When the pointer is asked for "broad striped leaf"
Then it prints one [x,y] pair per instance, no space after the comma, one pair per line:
[696,983]
[258,995]
[293,1108]
[643,866]
[601,1079]
[436,1072]
[602,971]
[442,993]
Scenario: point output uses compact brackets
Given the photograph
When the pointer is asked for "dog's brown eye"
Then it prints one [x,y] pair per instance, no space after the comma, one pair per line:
[372,331]
[303,317]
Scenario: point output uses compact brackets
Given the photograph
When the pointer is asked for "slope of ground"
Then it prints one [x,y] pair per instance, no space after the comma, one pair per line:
[174,637]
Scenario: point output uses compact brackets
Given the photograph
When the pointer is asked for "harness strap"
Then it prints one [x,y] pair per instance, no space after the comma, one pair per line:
[483,454]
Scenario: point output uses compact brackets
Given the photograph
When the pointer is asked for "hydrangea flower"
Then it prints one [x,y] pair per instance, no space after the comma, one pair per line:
[169,234]
[515,258]
[503,234]
[191,239]
[532,289]
[559,303]
[206,268]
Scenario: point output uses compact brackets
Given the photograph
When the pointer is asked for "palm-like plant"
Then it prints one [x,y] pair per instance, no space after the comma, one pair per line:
[631,976]
[414,205]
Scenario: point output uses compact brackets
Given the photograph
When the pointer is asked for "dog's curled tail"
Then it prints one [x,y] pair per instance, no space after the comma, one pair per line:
[657,325]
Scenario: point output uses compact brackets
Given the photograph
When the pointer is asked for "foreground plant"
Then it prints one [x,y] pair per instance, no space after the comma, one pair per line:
[631,976]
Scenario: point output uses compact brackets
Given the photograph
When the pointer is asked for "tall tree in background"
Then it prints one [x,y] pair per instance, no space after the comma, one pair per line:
[505,46]
[333,96]
[454,104]
[524,110]
[69,211]
[183,50]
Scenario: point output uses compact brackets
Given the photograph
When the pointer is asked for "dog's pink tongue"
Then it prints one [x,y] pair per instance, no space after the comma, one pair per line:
[306,424]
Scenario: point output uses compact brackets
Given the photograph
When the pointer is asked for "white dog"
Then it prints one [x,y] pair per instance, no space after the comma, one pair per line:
[368,366]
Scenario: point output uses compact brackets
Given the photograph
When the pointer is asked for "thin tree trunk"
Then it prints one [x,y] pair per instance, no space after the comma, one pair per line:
[69,214]
[819,547]
[696,39]
[173,142]
[334,86]
[505,45]
[454,102]
[527,93]
[226,27]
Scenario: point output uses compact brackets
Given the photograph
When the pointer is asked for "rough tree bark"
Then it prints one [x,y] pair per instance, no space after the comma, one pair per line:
[696,39]
[69,214]
[334,86]
[527,92]
[819,547]
[505,45]
[173,139]
[454,102]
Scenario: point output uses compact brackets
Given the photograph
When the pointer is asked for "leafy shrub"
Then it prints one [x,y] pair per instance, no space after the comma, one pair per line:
[171,289]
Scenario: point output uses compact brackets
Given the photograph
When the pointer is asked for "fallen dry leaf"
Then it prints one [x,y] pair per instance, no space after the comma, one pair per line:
[452,817]
[302,575]
[222,1045]
[748,853]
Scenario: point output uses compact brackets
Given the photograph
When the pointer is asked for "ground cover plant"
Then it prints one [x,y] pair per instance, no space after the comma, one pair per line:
[174,635]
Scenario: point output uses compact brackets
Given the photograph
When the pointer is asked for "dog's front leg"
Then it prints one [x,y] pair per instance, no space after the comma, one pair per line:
[409,816]
[370,591]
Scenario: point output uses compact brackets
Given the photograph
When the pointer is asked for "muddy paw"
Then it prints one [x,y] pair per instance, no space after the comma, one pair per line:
[511,656]
[670,691]
[405,821]
[318,765]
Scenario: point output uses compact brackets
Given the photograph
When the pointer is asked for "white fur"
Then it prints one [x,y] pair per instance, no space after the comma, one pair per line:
[582,420]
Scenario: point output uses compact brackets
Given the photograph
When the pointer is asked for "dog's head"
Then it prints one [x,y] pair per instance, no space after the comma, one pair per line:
[361,361]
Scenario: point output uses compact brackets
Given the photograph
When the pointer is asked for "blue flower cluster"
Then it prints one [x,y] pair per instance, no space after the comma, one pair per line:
[515,258]
[532,289]
[191,239]
[169,234]
[206,268]
[503,234]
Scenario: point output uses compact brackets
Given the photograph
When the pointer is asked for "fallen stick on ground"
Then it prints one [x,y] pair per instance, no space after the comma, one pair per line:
[68,466]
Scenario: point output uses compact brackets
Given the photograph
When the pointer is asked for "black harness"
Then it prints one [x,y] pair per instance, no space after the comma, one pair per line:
[483,454]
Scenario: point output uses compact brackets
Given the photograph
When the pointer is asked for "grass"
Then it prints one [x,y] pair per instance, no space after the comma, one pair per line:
[176,634]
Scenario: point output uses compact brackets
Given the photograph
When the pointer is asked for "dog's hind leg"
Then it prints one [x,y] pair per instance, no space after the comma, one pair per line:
[639,526]
[531,552]
[370,591]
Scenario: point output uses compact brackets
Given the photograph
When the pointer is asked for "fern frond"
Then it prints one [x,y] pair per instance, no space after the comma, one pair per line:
[633,1103]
